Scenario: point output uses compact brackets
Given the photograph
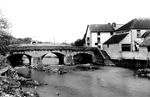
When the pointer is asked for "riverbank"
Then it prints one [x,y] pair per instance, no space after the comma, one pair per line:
[12,85]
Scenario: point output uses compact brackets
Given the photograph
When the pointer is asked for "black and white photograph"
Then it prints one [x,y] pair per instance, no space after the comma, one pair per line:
[74,48]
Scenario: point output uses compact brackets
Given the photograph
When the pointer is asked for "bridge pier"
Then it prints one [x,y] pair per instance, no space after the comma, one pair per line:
[68,59]
[36,60]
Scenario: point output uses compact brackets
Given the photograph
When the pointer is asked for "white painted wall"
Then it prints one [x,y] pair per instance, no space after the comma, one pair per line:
[126,40]
[94,38]
[104,36]
[133,36]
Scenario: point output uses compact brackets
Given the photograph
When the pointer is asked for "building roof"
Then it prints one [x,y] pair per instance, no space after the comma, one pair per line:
[137,23]
[146,42]
[118,26]
[85,33]
[116,38]
[101,28]
[146,34]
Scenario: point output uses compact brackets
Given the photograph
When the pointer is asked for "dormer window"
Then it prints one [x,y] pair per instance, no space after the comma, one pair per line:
[138,33]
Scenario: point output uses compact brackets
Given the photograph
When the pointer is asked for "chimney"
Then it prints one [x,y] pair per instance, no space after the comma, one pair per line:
[113,24]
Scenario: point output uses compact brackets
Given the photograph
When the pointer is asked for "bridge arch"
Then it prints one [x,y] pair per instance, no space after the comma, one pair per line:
[59,55]
[17,59]
[83,58]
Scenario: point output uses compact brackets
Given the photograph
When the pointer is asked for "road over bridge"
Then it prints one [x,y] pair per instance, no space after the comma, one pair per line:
[65,54]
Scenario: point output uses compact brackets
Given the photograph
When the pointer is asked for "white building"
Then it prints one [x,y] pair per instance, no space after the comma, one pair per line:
[97,34]
[125,44]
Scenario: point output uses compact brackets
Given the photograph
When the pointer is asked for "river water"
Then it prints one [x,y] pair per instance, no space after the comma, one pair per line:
[106,82]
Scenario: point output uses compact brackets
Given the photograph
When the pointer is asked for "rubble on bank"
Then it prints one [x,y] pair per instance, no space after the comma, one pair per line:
[143,73]
[50,69]
[11,85]
[62,69]
[86,67]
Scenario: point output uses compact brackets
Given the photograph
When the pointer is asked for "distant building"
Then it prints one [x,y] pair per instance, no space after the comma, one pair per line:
[127,40]
[97,34]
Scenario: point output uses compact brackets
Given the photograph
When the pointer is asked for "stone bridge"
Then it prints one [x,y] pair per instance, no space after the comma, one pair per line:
[65,54]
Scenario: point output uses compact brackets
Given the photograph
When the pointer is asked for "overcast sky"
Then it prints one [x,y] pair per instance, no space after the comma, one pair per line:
[66,20]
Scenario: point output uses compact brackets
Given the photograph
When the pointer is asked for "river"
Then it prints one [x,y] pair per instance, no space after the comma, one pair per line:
[106,82]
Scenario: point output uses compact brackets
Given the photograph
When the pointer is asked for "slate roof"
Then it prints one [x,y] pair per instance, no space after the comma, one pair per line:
[146,42]
[116,38]
[101,28]
[137,23]
[146,34]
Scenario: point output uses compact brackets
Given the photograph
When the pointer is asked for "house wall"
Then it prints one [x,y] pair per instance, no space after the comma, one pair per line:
[126,40]
[94,39]
[104,37]
[113,50]
[133,35]
[145,52]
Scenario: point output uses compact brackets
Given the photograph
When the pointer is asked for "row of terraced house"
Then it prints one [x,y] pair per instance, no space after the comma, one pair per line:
[130,41]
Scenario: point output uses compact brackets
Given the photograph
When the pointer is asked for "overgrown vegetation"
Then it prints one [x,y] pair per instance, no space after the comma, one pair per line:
[78,42]
[6,39]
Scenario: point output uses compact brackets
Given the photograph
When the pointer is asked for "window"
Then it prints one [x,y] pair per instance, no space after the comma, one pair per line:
[88,39]
[138,33]
[126,47]
[107,45]
[98,40]
[96,43]
[148,48]
[111,33]
[98,34]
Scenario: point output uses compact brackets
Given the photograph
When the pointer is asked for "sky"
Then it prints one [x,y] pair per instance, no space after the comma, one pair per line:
[67,20]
